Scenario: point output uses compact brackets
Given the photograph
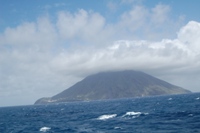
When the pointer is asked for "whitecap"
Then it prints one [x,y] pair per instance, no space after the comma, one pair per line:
[44,129]
[117,128]
[134,114]
[170,99]
[190,115]
[197,98]
[105,117]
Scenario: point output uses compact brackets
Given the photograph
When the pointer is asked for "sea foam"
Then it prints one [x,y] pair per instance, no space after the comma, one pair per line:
[133,114]
[170,99]
[105,117]
[44,129]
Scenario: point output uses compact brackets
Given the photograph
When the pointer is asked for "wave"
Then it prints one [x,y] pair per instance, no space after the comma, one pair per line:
[44,129]
[131,114]
[117,128]
[134,114]
[170,99]
[105,117]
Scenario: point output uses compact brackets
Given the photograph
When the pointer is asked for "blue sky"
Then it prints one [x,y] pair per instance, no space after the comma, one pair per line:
[46,46]
[15,12]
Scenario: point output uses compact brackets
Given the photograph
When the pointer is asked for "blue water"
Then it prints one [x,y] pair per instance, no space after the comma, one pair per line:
[162,114]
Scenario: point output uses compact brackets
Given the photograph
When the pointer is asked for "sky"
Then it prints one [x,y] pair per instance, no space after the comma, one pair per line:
[47,46]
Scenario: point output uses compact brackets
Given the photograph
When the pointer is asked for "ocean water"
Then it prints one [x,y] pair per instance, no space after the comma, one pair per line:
[161,114]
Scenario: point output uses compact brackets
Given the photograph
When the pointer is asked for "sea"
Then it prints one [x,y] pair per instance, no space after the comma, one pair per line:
[160,114]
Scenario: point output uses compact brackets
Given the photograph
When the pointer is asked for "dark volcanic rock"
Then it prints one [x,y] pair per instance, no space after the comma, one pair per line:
[113,85]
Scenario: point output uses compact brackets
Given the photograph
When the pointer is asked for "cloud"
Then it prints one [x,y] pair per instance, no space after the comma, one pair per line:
[166,57]
[126,54]
[44,57]
[112,6]
[147,23]
[82,25]
[40,34]
[160,13]
[189,35]
[134,19]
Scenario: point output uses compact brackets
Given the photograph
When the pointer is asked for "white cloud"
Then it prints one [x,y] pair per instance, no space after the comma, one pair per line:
[134,19]
[189,35]
[170,57]
[38,35]
[40,59]
[160,14]
[82,25]
[152,24]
